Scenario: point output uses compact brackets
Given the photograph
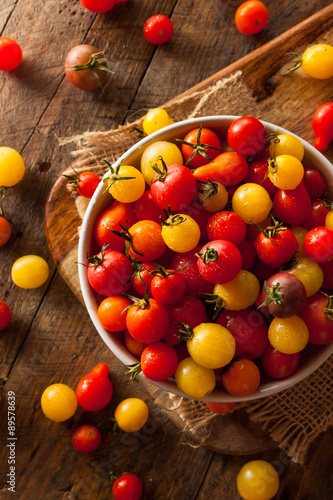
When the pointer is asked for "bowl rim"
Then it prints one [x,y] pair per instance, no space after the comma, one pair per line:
[119,350]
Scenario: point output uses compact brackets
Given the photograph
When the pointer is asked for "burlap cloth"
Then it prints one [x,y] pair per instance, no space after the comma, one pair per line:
[294,417]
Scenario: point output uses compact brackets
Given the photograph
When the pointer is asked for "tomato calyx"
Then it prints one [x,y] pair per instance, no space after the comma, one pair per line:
[125,234]
[95,260]
[116,431]
[186,332]
[209,255]
[162,272]
[73,179]
[161,173]
[173,220]
[328,309]
[214,304]
[210,189]
[114,176]
[134,371]
[141,303]
[290,264]
[95,63]
[271,231]
[198,147]
[297,63]
[274,295]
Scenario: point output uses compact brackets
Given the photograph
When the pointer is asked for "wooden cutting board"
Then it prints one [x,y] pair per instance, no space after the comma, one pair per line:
[293,99]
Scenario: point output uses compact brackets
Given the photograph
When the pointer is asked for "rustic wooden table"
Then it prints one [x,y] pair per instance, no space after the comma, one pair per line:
[51,338]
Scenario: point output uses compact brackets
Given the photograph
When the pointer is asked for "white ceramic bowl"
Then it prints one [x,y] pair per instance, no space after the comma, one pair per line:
[309,362]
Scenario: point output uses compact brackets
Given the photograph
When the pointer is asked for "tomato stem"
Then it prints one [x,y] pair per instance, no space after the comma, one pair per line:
[95,63]
[114,176]
[173,220]
[328,309]
[198,147]
[161,173]
[214,304]
[186,332]
[209,255]
[274,295]
[125,234]
[297,63]
[134,371]
[209,190]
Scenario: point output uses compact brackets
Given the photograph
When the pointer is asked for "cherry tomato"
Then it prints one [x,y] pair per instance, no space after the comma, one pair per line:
[199,146]
[299,233]
[239,293]
[276,245]
[167,285]
[100,6]
[148,321]
[146,209]
[220,407]
[228,226]
[283,295]
[189,310]
[328,221]
[242,378]
[287,144]
[5,230]
[257,480]
[249,330]
[58,402]
[277,364]
[143,277]
[10,54]
[322,124]
[159,361]
[181,233]
[246,135]
[111,313]
[158,29]
[131,414]
[288,335]
[174,187]
[109,272]
[318,244]
[285,171]
[30,271]
[316,61]
[5,315]
[327,270]
[194,380]
[147,242]
[219,261]
[12,167]
[317,314]
[316,216]
[251,17]
[94,391]
[211,345]
[116,216]
[86,183]
[196,211]
[167,150]
[213,196]
[315,183]
[309,273]
[154,120]
[86,438]
[228,168]
[85,67]
[248,254]
[252,202]
[257,174]
[293,206]
[127,487]
[186,264]
[126,183]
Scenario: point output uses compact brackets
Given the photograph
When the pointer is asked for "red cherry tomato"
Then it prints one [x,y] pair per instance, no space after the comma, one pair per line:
[220,407]
[5,230]
[86,183]
[219,261]
[190,310]
[186,264]
[277,364]
[322,124]
[10,54]
[292,206]
[275,248]
[328,274]
[5,315]
[86,438]
[168,286]
[200,145]
[127,487]
[147,243]
[94,391]
[246,135]
[159,361]
[109,272]
[116,215]
[146,209]
[228,226]
[257,172]
[248,254]
[112,314]
[143,278]
[317,315]
[318,245]
[158,29]
[316,216]
[251,17]
[148,321]
[174,187]
[228,168]
[242,378]
[134,346]
[100,6]
[315,183]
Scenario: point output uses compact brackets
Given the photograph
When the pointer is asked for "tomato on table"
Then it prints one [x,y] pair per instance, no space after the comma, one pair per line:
[131,414]
[257,480]
[30,271]
[10,54]
[158,29]
[316,61]
[86,183]
[5,315]
[94,391]
[85,67]
[220,407]
[5,229]
[58,402]
[100,6]
[127,487]
[251,17]
[86,438]
[12,167]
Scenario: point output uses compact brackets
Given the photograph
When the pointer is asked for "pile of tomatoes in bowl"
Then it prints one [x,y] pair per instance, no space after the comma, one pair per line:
[208,258]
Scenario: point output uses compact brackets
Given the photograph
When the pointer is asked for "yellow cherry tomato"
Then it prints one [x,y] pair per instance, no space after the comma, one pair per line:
[257,480]
[285,172]
[170,153]
[12,167]
[309,273]
[288,335]
[180,233]
[212,345]
[287,144]
[329,220]
[155,119]
[194,380]
[213,196]
[317,61]
[58,402]
[30,271]
[131,414]
[126,183]
[239,293]
[299,233]
[252,202]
